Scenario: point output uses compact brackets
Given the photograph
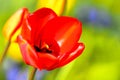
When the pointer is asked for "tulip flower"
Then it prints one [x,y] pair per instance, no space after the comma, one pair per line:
[48,41]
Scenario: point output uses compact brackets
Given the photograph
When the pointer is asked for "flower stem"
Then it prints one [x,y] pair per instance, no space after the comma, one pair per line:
[32,74]
[5,52]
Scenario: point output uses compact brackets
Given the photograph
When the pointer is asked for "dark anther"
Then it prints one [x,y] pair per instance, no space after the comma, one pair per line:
[37,49]
[44,50]
[49,51]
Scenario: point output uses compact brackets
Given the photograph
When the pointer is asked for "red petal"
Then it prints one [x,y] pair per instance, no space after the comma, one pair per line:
[37,20]
[75,52]
[26,29]
[47,60]
[64,31]
[28,53]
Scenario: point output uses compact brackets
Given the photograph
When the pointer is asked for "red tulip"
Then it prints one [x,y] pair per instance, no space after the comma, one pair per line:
[48,41]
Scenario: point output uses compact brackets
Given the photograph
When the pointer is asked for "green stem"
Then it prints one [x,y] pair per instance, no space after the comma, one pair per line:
[5,52]
[32,74]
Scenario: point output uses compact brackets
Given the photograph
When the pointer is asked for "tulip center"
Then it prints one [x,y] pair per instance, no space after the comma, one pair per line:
[44,48]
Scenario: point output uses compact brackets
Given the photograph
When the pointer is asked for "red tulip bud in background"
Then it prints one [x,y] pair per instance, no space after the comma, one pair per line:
[48,41]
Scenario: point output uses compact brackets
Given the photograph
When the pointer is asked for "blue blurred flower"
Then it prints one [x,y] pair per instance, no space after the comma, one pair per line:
[94,16]
[16,71]
[12,73]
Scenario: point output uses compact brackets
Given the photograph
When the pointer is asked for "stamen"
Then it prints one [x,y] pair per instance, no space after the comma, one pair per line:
[43,49]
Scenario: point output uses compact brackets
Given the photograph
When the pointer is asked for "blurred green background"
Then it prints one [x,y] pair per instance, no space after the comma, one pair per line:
[101,36]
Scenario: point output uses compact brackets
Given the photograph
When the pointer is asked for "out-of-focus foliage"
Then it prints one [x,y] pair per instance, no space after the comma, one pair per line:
[101,35]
